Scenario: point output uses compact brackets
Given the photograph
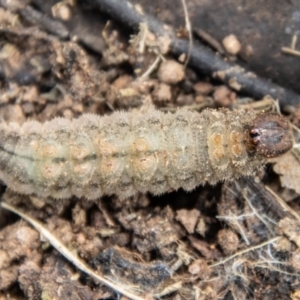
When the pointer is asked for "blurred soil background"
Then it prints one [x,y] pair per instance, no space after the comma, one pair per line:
[237,240]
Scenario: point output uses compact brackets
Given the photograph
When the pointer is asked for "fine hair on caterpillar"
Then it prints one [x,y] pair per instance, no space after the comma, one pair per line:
[129,152]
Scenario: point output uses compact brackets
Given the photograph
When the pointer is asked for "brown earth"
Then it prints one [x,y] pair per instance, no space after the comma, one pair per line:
[235,240]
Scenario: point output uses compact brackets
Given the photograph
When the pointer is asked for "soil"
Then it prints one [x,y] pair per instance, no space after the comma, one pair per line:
[235,240]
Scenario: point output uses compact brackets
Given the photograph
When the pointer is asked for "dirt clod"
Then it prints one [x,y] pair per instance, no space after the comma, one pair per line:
[223,96]
[232,44]
[188,218]
[295,260]
[162,94]
[170,72]
[203,88]
[199,267]
[228,240]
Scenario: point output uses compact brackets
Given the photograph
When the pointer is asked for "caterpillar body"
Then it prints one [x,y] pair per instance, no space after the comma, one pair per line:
[128,152]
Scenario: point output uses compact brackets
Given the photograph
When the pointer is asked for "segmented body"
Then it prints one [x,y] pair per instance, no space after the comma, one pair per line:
[128,152]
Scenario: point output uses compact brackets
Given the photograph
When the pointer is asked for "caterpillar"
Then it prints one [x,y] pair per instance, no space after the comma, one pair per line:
[128,152]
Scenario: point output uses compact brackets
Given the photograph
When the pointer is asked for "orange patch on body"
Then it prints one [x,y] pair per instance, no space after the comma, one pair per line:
[109,164]
[217,139]
[217,148]
[49,170]
[144,164]
[236,139]
[140,145]
[34,145]
[82,170]
[48,151]
[237,149]
[142,160]
[219,153]
[106,148]
[79,152]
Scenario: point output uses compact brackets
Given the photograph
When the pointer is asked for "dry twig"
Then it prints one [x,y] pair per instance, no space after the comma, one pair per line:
[202,58]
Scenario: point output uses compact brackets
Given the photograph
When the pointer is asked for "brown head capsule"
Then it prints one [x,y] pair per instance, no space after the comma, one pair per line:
[271,135]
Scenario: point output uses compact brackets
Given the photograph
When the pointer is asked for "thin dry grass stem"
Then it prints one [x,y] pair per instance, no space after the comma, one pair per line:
[271,268]
[184,254]
[270,220]
[294,41]
[141,40]
[234,222]
[235,217]
[169,289]
[128,286]
[269,252]
[232,191]
[256,213]
[266,263]
[188,27]
[108,218]
[296,146]
[242,233]
[142,37]
[104,32]
[283,204]
[266,104]
[277,106]
[184,257]
[70,256]
[290,51]
[236,269]
[297,130]
[149,71]
[178,263]
[271,241]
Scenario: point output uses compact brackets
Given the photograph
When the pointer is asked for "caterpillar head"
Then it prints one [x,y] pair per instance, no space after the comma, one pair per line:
[271,135]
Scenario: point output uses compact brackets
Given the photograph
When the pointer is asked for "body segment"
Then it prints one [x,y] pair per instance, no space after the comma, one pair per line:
[128,152]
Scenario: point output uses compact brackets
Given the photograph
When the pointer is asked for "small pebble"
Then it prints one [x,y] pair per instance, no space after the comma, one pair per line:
[170,72]
[162,93]
[223,96]
[232,44]
[228,240]
[203,88]
[61,11]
